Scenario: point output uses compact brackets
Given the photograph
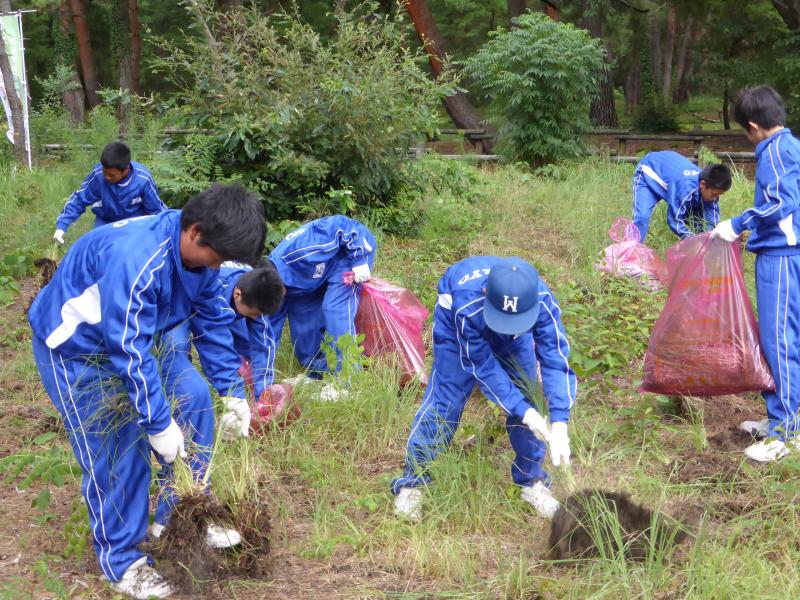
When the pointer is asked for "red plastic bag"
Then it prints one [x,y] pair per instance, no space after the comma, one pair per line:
[391,319]
[246,373]
[628,256]
[705,342]
[275,407]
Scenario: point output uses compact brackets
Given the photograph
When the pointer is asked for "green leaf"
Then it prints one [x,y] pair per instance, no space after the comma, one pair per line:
[42,501]
[44,438]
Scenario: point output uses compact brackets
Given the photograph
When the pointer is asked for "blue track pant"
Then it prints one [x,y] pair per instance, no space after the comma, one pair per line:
[112,450]
[778,293]
[193,411]
[330,308]
[647,192]
[449,388]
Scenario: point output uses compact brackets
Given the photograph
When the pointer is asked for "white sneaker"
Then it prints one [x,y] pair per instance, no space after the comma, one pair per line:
[216,537]
[142,581]
[538,495]
[408,504]
[759,429]
[765,451]
[330,392]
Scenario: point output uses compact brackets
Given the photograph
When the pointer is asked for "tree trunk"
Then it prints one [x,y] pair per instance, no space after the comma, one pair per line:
[551,10]
[5,5]
[789,10]
[73,95]
[15,103]
[515,8]
[85,50]
[602,111]
[136,47]
[124,65]
[726,97]
[458,105]
[655,52]
[633,80]
[669,49]
[681,91]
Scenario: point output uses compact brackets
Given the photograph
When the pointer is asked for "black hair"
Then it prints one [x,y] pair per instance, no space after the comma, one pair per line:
[761,105]
[717,177]
[262,288]
[116,155]
[231,220]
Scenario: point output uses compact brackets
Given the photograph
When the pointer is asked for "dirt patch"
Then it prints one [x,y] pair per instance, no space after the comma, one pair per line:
[711,466]
[183,557]
[721,413]
[731,440]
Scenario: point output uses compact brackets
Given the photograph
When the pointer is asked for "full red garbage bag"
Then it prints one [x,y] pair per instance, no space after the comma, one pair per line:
[391,319]
[705,342]
[628,256]
[276,406]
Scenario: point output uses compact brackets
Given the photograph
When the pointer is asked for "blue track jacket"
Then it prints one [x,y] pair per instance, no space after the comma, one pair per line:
[252,338]
[134,196]
[777,197]
[676,179]
[118,287]
[461,292]
[306,255]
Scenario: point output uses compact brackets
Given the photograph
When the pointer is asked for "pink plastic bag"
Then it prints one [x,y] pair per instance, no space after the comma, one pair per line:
[705,342]
[627,256]
[391,319]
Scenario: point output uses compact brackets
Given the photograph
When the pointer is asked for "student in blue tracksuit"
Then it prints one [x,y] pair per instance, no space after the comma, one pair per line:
[94,326]
[312,261]
[494,321]
[692,195]
[253,295]
[116,189]
[773,237]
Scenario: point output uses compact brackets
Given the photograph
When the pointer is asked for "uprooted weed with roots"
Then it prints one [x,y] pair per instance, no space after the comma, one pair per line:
[608,525]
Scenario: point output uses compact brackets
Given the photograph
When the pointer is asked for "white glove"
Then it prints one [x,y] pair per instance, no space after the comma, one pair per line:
[169,443]
[361,273]
[236,418]
[559,444]
[536,423]
[59,236]
[725,231]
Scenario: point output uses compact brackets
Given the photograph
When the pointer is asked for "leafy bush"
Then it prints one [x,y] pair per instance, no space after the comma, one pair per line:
[540,78]
[293,116]
[655,116]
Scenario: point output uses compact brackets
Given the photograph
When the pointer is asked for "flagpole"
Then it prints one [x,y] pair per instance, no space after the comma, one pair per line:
[27,106]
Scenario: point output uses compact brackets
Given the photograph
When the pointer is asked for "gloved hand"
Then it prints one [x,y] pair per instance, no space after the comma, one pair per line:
[537,424]
[361,273]
[169,443]
[559,444]
[236,418]
[59,236]
[725,231]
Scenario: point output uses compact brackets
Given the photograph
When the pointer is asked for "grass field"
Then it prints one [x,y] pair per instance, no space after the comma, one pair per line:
[325,478]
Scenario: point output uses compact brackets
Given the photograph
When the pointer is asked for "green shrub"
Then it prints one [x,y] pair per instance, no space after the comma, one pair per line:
[656,116]
[540,78]
[294,116]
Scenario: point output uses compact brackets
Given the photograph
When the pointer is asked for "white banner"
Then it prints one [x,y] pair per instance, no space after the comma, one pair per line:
[11,30]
